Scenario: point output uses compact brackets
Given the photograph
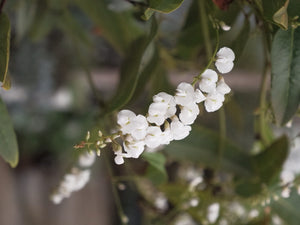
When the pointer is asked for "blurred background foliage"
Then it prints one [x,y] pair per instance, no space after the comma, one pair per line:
[73,64]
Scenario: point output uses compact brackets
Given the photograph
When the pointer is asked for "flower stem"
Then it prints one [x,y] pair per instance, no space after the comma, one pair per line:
[212,58]
[115,193]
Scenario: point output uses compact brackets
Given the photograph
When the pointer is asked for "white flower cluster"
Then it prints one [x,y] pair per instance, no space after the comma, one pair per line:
[76,179]
[170,117]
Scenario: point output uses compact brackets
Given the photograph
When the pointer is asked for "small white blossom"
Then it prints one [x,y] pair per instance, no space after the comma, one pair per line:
[224,61]
[199,96]
[166,136]
[222,87]
[133,148]
[213,212]
[167,99]
[208,81]
[285,193]
[189,113]
[87,159]
[157,113]
[132,124]
[214,101]
[119,157]
[179,130]
[73,181]
[224,26]
[154,136]
[185,94]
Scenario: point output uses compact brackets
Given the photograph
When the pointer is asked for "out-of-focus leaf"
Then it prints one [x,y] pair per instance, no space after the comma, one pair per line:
[174,192]
[164,6]
[119,29]
[156,171]
[288,208]
[4,50]
[241,40]
[248,188]
[268,164]
[147,73]
[281,16]
[131,71]
[285,85]
[271,7]
[43,23]
[202,146]
[8,141]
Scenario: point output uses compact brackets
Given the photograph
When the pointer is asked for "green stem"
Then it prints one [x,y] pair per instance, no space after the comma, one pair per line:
[212,59]
[205,29]
[115,193]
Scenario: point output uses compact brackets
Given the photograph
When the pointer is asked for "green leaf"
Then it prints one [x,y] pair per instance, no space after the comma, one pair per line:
[202,146]
[285,84]
[288,208]
[8,140]
[164,6]
[156,171]
[4,50]
[120,29]
[241,40]
[268,164]
[131,69]
[281,16]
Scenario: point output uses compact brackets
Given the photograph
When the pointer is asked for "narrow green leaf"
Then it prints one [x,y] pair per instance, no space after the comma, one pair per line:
[241,40]
[285,85]
[120,29]
[156,170]
[202,146]
[288,208]
[4,50]
[268,164]
[164,6]
[8,140]
[131,69]
[281,16]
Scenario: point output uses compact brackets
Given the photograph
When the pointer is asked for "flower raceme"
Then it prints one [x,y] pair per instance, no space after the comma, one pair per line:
[170,117]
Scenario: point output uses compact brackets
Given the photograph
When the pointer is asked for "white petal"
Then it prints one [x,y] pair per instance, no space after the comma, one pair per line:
[213,212]
[207,85]
[158,108]
[119,160]
[214,101]
[157,119]
[153,138]
[224,67]
[134,149]
[199,96]
[210,74]
[188,114]
[124,116]
[222,87]
[179,130]
[226,53]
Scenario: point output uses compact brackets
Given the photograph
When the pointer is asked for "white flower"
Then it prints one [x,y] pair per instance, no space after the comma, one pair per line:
[208,81]
[189,113]
[167,99]
[179,130]
[166,136]
[224,61]
[132,124]
[87,159]
[222,87]
[154,136]
[185,94]
[213,212]
[119,157]
[133,148]
[224,26]
[214,101]
[157,113]
[140,126]
[73,181]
